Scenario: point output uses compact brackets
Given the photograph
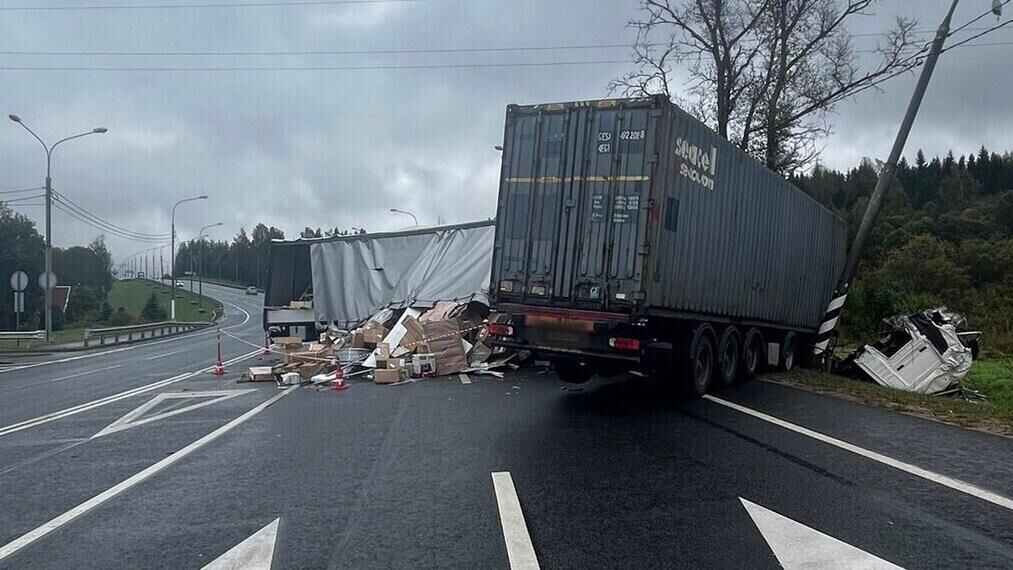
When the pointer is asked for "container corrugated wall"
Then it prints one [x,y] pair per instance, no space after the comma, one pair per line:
[736,239]
[634,206]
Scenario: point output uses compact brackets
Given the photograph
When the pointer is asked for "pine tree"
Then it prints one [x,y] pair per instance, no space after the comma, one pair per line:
[153,311]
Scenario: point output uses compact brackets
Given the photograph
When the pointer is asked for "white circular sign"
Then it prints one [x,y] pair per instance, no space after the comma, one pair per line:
[42,280]
[19,280]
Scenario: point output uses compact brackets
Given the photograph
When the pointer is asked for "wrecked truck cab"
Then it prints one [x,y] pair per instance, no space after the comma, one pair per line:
[922,353]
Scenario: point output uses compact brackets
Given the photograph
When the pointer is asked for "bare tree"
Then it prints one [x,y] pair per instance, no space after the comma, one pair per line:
[763,73]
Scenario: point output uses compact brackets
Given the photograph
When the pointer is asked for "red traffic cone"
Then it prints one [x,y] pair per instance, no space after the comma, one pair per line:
[266,351]
[339,379]
[219,367]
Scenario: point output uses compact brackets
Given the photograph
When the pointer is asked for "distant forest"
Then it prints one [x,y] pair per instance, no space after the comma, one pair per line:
[945,237]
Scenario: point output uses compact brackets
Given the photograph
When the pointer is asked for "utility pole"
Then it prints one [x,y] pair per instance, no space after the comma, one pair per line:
[830,319]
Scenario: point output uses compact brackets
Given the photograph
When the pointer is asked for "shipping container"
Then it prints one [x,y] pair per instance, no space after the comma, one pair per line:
[633,212]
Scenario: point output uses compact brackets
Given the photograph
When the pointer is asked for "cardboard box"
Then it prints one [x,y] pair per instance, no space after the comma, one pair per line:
[261,373]
[423,365]
[356,340]
[389,375]
[300,304]
[373,333]
[288,342]
[416,333]
[382,354]
[444,341]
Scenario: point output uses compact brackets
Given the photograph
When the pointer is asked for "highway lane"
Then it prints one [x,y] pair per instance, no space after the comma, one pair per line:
[61,380]
[616,474]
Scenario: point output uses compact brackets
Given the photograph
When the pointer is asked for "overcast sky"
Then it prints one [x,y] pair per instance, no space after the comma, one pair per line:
[339,147]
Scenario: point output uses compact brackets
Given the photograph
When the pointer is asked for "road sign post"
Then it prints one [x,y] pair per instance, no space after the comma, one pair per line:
[19,281]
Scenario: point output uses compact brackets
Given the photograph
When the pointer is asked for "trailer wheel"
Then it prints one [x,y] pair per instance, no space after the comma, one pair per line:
[729,355]
[700,361]
[752,354]
[573,371]
[789,351]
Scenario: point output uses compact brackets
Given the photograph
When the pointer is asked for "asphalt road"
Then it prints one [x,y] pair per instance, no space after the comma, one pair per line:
[617,474]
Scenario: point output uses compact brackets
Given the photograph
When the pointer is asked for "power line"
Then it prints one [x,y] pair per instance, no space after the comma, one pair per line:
[979,17]
[22,190]
[978,35]
[321,52]
[109,226]
[22,198]
[63,208]
[318,67]
[191,5]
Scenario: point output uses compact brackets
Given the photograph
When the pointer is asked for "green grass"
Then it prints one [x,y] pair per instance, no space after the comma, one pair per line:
[993,378]
[133,294]
[59,337]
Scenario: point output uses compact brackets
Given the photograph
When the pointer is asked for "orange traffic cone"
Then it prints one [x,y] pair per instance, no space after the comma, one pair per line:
[339,378]
[219,367]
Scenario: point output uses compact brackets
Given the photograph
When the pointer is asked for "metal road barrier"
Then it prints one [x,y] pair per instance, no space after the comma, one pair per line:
[115,335]
[22,335]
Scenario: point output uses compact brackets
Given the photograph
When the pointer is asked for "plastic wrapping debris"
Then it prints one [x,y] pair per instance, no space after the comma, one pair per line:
[922,353]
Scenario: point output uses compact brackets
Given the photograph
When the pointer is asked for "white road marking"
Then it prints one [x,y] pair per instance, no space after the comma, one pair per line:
[157,356]
[798,547]
[26,424]
[520,551]
[209,330]
[256,552]
[131,418]
[955,484]
[28,538]
[465,379]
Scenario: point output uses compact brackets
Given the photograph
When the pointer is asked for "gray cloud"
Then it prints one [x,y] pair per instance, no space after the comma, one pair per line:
[339,148]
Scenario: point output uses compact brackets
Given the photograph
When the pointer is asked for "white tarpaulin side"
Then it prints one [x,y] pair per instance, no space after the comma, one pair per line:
[355,276]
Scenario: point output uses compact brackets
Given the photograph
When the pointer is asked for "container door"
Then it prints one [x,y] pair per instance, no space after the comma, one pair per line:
[574,204]
[617,192]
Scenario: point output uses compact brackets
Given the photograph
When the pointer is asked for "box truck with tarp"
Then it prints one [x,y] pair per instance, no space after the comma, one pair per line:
[631,236]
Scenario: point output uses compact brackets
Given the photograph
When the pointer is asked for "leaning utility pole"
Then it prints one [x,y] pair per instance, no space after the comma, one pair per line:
[886,176]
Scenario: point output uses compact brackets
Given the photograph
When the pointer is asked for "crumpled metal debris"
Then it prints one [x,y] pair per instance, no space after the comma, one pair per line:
[922,353]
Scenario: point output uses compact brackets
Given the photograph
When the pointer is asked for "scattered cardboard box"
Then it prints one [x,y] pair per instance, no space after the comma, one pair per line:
[444,341]
[389,375]
[261,373]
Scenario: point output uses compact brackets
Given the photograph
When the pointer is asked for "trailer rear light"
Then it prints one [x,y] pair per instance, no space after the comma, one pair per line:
[624,343]
[497,329]
[506,286]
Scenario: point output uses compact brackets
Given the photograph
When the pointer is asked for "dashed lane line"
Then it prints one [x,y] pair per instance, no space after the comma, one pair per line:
[955,484]
[28,538]
[157,356]
[520,550]
[26,424]
[61,378]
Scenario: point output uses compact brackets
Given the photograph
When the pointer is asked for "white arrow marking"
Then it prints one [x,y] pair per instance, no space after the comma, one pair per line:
[797,546]
[254,553]
[131,419]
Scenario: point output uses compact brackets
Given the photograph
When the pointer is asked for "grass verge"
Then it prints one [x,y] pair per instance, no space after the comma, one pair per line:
[133,294]
[993,378]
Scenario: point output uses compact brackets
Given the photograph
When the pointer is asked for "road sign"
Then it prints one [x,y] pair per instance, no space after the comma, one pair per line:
[19,280]
[19,301]
[42,280]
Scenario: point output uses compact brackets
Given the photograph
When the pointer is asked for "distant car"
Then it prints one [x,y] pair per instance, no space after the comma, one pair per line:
[251,290]
[181,285]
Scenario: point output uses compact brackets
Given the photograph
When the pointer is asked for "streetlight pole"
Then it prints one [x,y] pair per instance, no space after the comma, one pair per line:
[172,253]
[200,264]
[886,176]
[49,212]
[397,211]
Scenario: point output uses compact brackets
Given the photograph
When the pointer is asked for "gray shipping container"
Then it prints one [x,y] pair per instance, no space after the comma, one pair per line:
[633,206]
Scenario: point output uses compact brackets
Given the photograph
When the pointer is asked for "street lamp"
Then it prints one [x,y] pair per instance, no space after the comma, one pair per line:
[200,264]
[172,253]
[49,211]
[397,211]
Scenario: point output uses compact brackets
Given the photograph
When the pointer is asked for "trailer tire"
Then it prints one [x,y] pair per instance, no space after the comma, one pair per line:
[700,361]
[729,356]
[789,352]
[753,352]
[572,371]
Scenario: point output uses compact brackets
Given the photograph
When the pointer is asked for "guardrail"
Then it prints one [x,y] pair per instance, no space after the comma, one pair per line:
[138,332]
[22,335]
